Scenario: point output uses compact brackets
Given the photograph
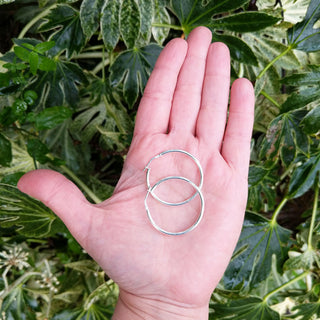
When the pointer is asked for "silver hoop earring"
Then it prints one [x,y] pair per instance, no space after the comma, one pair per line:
[151,189]
[147,168]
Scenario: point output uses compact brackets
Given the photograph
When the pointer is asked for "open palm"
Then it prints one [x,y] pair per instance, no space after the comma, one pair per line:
[184,106]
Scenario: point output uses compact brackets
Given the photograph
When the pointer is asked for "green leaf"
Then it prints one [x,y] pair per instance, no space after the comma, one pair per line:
[2,2]
[260,239]
[130,20]
[133,68]
[6,152]
[244,22]
[19,305]
[308,260]
[90,16]
[110,21]
[34,62]
[83,266]
[59,87]
[252,308]
[12,179]
[94,312]
[239,50]
[310,78]
[32,218]
[38,150]
[67,32]
[22,53]
[311,122]
[60,142]
[261,188]
[307,311]
[43,47]
[304,175]
[195,13]
[303,35]
[50,117]
[146,10]
[162,17]
[284,137]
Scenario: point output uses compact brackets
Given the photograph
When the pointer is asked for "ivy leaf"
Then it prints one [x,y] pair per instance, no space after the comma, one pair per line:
[130,20]
[67,32]
[307,311]
[261,188]
[284,136]
[195,13]
[308,89]
[110,21]
[239,50]
[146,10]
[244,22]
[252,308]
[303,35]
[90,16]
[311,122]
[60,142]
[133,67]
[162,17]
[93,312]
[59,87]
[304,261]
[19,305]
[304,176]
[6,152]
[202,13]
[32,218]
[260,239]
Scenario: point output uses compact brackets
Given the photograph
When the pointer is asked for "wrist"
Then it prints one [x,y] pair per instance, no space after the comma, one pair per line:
[131,307]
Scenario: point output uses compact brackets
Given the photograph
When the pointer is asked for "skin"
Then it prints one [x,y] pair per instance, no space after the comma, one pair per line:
[184,106]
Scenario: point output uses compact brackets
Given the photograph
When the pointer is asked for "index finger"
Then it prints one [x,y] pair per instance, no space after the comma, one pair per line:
[155,106]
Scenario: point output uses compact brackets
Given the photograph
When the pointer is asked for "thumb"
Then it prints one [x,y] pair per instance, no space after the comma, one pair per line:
[61,196]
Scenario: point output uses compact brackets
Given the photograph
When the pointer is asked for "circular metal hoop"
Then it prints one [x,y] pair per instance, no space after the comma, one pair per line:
[150,190]
[199,218]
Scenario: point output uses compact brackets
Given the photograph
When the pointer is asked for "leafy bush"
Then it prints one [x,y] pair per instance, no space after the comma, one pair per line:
[69,90]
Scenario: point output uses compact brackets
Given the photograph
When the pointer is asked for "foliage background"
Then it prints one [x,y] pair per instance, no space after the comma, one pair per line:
[71,76]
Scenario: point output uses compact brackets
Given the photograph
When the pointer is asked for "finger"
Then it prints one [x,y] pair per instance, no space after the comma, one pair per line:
[236,143]
[155,106]
[215,95]
[187,96]
[62,197]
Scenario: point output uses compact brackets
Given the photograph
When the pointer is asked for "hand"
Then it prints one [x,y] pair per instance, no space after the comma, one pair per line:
[184,106]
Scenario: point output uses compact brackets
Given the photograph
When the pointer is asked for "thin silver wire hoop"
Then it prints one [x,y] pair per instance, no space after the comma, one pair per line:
[199,218]
[147,168]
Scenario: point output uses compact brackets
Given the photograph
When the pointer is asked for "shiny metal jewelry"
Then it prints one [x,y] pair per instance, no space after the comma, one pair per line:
[152,188]
[199,218]
[147,168]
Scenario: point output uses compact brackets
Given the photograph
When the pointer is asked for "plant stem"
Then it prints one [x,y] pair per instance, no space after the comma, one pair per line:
[270,98]
[299,277]
[88,191]
[18,282]
[278,209]
[314,215]
[35,20]
[289,48]
[165,25]
[114,116]
[89,55]
[103,70]
[4,277]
